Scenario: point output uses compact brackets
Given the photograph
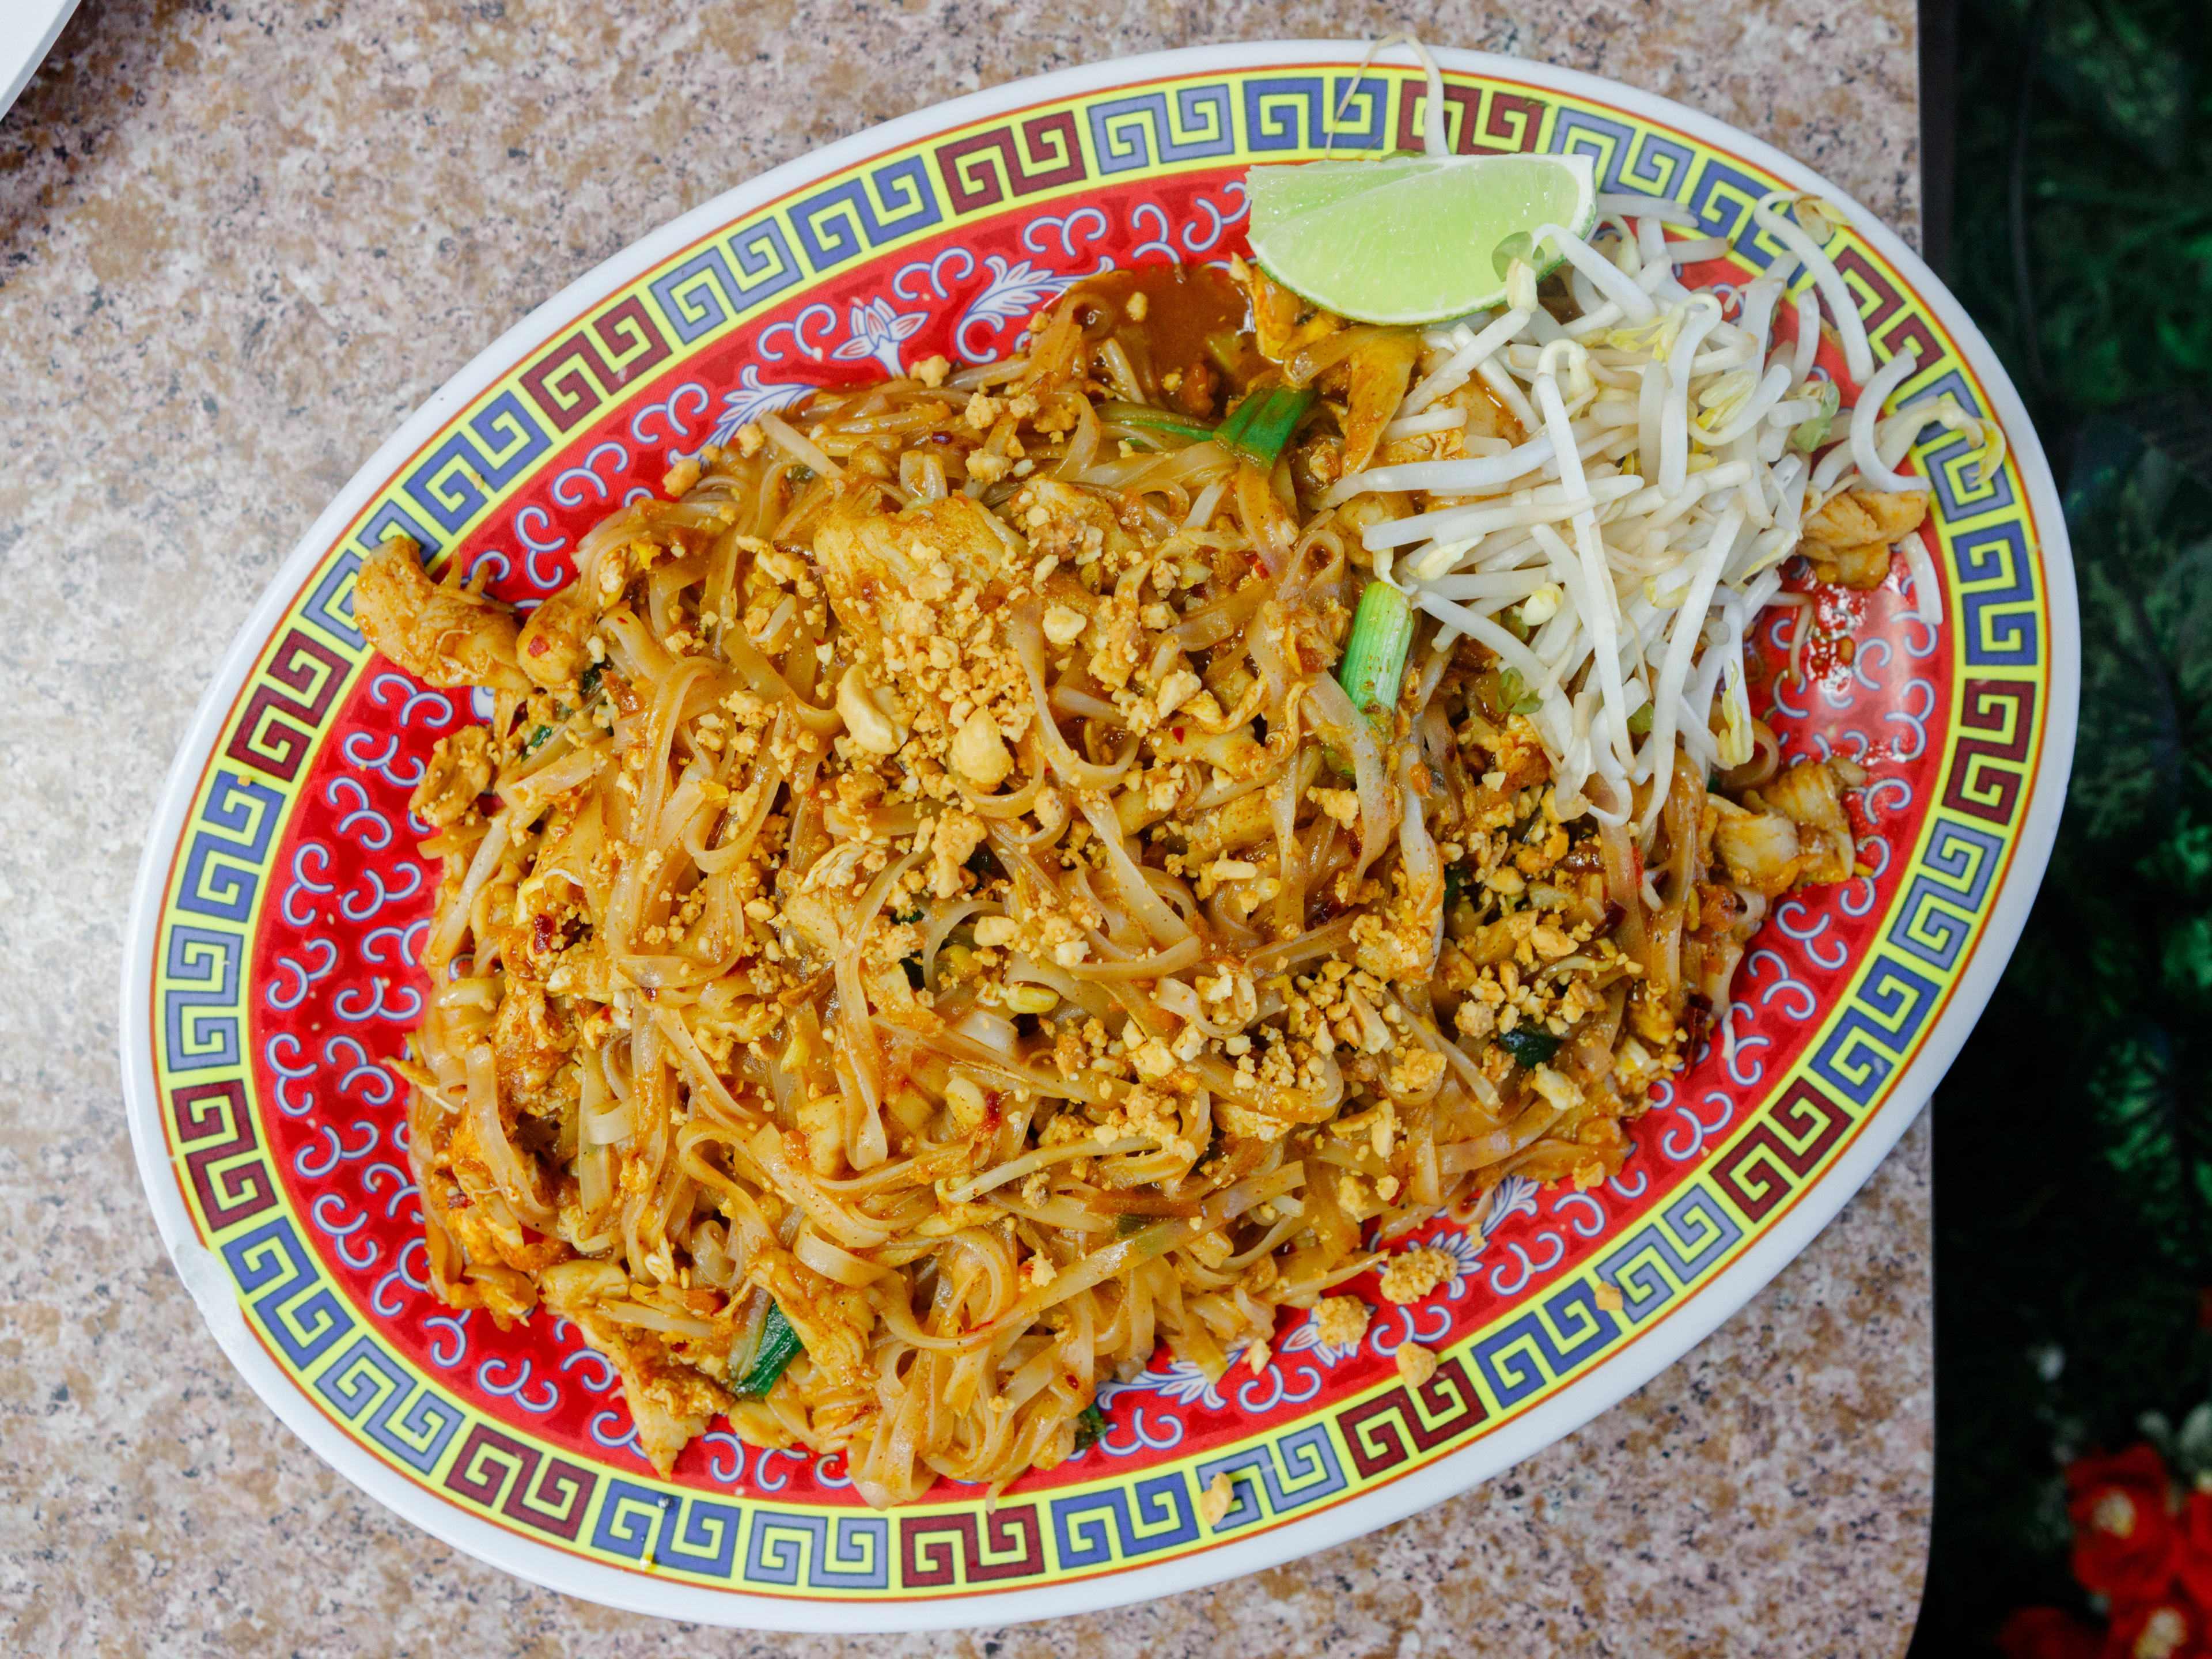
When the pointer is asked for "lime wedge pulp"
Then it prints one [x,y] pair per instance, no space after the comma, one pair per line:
[1411,239]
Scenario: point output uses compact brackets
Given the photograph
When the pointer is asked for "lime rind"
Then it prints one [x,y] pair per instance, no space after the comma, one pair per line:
[1411,240]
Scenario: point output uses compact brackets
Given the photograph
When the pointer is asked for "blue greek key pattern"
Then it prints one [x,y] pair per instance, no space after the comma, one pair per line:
[1093,1528]
[1657,1260]
[841,223]
[1723,202]
[1293,113]
[1132,133]
[1950,461]
[792,1549]
[303,1317]
[1545,1343]
[1296,1469]
[391,519]
[489,452]
[199,1009]
[682,1530]
[222,870]
[1887,1008]
[329,608]
[1626,158]
[1996,584]
[367,1386]
[1948,892]
[714,286]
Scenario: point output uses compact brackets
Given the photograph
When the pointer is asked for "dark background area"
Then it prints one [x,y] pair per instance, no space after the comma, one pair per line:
[2068,166]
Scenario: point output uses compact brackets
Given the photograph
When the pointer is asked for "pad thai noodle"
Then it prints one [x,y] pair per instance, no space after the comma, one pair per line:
[1007,867]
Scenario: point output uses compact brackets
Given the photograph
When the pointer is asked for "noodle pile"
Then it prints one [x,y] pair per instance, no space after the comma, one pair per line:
[921,885]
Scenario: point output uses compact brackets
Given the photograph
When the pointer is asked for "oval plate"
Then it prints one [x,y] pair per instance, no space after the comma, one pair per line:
[270,962]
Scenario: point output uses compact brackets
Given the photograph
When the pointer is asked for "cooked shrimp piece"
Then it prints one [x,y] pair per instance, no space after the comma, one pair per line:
[442,633]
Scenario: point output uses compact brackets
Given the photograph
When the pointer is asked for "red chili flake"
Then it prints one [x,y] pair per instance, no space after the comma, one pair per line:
[541,932]
[1698,1017]
[1179,734]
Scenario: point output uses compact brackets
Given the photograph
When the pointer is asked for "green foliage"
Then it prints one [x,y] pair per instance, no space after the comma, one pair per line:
[2073,1135]
[2119,220]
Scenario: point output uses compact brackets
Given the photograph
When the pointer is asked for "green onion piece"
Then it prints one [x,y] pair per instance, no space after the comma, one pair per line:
[588,687]
[1808,435]
[1172,421]
[1129,1223]
[1258,428]
[1639,723]
[1090,1426]
[537,740]
[1531,1047]
[778,1346]
[1375,656]
[1455,884]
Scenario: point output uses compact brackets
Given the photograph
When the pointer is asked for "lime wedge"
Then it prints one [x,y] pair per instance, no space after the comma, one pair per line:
[1411,239]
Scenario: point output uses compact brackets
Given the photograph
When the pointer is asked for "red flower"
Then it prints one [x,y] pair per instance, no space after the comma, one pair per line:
[2169,1627]
[2124,1539]
[2192,1561]
[2047,1633]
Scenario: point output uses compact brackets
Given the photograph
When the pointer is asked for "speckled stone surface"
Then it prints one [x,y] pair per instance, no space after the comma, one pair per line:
[239,242]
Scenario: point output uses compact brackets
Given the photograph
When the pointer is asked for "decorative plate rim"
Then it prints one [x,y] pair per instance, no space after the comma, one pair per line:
[1577,1402]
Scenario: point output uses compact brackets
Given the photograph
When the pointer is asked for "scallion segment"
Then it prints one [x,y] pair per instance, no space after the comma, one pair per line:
[779,1346]
[1090,1426]
[1173,422]
[1375,656]
[1258,428]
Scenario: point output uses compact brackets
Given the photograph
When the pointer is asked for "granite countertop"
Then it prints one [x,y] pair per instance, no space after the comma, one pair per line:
[238,244]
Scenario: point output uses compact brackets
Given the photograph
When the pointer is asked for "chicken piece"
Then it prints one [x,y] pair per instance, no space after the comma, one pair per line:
[460,771]
[1759,850]
[1807,795]
[669,1400]
[1283,322]
[874,561]
[1376,379]
[529,1047]
[1849,539]
[1791,829]
[441,633]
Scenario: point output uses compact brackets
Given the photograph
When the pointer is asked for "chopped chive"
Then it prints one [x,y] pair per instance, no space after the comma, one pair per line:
[1531,1047]
[588,687]
[778,1346]
[1375,656]
[1258,428]
[1169,421]
[1091,1427]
